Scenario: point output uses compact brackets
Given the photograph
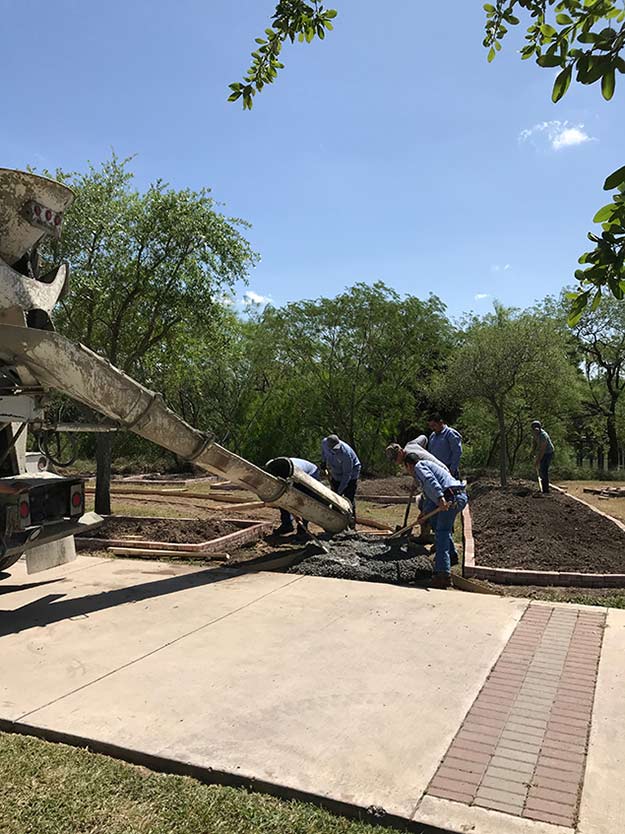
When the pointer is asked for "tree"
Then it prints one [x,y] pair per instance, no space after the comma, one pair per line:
[148,270]
[585,40]
[600,335]
[516,365]
[357,364]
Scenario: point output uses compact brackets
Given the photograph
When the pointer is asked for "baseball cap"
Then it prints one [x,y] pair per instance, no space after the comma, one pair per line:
[536,424]
[333,441]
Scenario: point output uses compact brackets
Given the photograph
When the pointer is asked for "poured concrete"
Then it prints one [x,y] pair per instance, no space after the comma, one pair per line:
[344,690]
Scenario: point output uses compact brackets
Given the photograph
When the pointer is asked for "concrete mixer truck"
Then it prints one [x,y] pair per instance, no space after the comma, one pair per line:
[41,511]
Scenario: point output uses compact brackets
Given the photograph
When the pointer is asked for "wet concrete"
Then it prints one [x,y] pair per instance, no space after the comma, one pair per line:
[367,558]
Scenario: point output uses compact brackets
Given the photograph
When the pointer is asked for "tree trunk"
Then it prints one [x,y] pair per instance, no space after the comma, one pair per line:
[103,456]
[503,449]
[612,438]
[490,461]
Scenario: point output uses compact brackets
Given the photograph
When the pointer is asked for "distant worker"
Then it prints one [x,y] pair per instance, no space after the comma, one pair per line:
[343,466]
[445,444]
[286,519]
[418,447]
[543,447]
[444,491]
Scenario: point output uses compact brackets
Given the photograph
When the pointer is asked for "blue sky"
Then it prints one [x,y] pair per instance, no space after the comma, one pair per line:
[391,151]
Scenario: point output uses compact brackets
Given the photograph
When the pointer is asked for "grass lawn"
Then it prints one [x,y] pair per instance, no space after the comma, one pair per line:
[54,789]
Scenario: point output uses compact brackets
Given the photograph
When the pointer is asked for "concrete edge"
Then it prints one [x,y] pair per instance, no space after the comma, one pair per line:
[251,530]
[511,576]
[372,815]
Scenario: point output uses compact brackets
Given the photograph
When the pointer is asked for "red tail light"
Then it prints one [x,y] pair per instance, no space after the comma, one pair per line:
[24,510]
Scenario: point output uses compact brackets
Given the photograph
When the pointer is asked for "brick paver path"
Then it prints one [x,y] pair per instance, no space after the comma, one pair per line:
[522,746]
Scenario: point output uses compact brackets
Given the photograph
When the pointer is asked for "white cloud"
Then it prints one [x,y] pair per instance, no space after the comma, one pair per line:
[251,297]
[481,296]
[558,134]
[500,268]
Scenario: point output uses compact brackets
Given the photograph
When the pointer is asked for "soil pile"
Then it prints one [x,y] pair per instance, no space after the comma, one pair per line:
[367,558]
[399,485]
[518,527]
[166,530]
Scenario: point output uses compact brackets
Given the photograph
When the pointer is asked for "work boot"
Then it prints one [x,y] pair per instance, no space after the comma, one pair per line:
[283,529]
[441,581]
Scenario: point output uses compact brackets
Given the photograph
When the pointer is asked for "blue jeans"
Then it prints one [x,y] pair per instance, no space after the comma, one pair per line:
[545,463]
[443,526]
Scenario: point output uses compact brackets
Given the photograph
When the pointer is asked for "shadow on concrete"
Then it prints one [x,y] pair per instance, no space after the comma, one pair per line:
[8,589]
[49,609]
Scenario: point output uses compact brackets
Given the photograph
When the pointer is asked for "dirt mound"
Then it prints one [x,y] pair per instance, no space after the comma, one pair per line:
[165,530]
[366,558]
[518,527]
[399,485]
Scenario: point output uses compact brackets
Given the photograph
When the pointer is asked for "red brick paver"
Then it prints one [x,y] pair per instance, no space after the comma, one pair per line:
[522,746]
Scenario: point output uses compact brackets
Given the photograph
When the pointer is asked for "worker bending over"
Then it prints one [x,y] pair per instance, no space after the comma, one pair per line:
[286,519]
[343,467]
[417,447]
[446,493]
[445,444]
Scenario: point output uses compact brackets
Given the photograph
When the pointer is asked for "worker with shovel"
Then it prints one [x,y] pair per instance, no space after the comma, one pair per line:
[543,448]
[445,498]
[419,448]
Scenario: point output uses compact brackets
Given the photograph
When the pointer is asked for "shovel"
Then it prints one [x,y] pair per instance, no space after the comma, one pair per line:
[399,533]
[407,513]
[540,481]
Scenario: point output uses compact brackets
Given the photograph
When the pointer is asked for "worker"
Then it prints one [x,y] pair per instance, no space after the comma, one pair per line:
[418,447]
[445,444]
[343,467]
[286,519]
[543,447]
[447,494]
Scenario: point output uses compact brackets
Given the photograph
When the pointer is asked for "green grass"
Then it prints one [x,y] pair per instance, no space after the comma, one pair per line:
[54,789]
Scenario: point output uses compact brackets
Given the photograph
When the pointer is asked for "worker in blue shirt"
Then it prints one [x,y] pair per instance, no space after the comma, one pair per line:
[444,492]
[286,519]
[445,443]
[343,466]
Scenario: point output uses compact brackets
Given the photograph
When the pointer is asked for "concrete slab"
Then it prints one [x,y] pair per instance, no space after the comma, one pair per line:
[97,615]
[459,817]
[345,690]
[603,799]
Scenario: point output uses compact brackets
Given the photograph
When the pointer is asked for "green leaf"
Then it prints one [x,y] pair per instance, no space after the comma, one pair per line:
[491,54]
[488,8]
[549,61]
[616,179]
[548,31]
[563,19]
[607,84]
[596,300]
[604,213]
[562,83]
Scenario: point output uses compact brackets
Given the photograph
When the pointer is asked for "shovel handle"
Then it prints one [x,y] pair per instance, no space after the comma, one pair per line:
[419,521]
